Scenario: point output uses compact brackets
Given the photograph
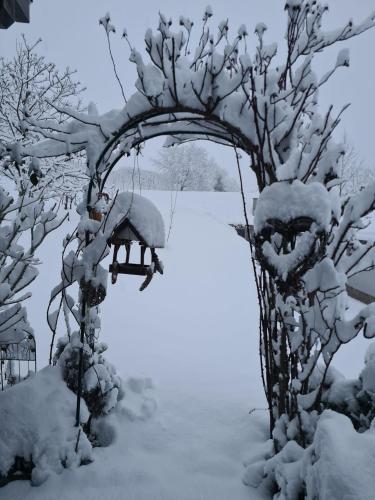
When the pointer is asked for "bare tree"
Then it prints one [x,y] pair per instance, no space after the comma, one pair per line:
[31,87]
[189,168]
[25,222]
[353,174]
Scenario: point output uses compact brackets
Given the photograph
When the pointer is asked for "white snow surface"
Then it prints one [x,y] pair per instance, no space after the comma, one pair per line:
[194,331]
[343,461]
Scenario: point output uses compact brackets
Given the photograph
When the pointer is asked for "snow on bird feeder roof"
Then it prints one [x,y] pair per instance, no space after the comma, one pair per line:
[134,218]
[142,215]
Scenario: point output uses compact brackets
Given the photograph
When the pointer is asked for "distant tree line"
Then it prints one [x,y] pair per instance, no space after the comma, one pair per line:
[179,168]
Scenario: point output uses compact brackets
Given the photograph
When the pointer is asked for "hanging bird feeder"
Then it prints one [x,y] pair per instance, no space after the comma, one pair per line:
[141,225]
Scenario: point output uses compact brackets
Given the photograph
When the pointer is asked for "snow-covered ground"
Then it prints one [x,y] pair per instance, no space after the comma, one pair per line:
[194,332]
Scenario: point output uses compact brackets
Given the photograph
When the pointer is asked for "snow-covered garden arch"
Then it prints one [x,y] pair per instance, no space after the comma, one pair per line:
[266,105]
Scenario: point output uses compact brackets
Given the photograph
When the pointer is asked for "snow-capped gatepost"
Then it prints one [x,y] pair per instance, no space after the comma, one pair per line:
[305,245]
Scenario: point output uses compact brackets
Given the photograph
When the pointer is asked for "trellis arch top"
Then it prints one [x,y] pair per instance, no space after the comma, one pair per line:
[219,92]
[187,97]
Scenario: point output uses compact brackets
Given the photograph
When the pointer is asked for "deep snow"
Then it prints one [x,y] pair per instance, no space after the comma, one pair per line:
[194,331]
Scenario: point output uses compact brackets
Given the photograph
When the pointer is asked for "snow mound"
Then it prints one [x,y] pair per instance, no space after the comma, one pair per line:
[139,402]
[338,465]
[341,462]
[37,425]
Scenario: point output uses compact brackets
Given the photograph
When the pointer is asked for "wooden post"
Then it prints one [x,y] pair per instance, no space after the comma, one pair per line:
[143,250]
[127,249]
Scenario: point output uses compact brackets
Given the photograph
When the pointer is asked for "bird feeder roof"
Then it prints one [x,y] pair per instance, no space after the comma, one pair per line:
[141,215]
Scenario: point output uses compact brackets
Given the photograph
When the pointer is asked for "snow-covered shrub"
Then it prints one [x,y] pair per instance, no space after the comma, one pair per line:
[320,468]
[25,221]
[37,433]
[355,398]
[29,86]
[101,388]
[339,463]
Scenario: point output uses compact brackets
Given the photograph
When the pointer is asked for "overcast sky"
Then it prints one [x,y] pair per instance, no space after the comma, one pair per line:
[72,37]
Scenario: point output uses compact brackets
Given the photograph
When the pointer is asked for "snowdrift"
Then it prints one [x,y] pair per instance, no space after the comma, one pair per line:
[37,432]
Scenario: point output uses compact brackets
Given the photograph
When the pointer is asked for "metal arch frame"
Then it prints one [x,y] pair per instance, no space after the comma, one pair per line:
[200,125]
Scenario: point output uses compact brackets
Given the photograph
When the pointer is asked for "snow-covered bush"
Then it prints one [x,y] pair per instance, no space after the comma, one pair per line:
[339,463]
[29,86]
[24,224]
[321,469]
[355,398]
[37,433]
[101,386]
[80,356]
